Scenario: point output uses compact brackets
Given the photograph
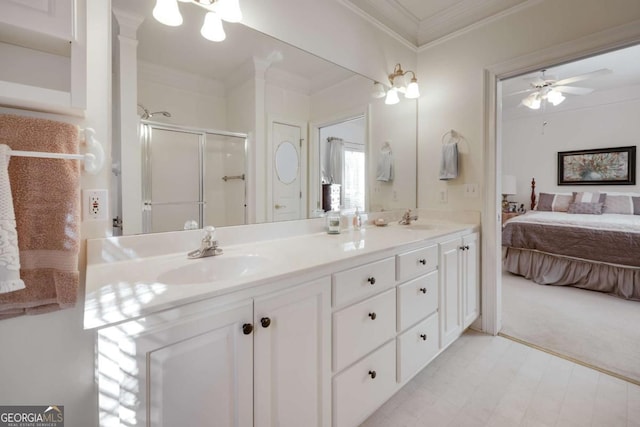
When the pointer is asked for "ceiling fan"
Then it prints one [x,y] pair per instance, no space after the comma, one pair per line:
[547,88]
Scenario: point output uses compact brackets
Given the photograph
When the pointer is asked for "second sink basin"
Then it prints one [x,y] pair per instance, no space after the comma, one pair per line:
[221,267]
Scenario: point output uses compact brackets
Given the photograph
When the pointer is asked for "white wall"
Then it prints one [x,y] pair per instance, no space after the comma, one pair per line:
[451,79]
[530,148]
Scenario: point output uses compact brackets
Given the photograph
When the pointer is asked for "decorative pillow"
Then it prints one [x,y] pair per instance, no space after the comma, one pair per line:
[619,204]
[589,197]
[636,205]
[585,208]
[556,202]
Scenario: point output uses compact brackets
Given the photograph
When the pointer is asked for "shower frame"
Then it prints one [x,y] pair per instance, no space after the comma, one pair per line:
[146,128]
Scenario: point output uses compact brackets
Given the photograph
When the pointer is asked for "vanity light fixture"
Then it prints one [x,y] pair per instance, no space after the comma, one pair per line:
[167,12]
[398,84]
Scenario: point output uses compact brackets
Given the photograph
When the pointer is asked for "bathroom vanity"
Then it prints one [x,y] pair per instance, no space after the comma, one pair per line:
[307,329]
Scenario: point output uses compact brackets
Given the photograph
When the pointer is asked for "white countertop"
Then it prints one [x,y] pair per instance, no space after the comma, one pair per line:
[120,288]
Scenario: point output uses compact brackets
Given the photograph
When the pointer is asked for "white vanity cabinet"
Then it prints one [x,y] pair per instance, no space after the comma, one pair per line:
[257,362]
[43,47]
[292,356]
[459,286]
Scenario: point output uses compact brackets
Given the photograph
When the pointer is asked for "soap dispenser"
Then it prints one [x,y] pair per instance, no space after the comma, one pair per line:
[357,220]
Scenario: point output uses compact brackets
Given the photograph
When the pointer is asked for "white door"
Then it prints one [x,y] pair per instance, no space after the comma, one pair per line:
[197,372]
[286,200]
[471,284]
[450,292]
[292,354]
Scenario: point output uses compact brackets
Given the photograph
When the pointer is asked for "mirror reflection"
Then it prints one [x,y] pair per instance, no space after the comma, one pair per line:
[314,135]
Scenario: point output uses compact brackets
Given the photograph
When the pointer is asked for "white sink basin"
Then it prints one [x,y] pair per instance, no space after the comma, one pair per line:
[211,269]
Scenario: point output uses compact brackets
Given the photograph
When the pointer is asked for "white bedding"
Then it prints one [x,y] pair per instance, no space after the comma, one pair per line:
[618,222]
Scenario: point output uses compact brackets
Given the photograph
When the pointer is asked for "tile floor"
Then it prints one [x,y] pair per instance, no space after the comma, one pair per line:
[481,380]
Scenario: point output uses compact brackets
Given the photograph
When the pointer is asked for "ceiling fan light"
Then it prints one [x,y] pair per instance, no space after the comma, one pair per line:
[212,28]
[392,97]
[229,10]
[413,91]
[167,12]
[378,90]
[555,97]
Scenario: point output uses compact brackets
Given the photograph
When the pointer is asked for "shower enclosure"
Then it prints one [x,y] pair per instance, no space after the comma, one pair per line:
[192,177]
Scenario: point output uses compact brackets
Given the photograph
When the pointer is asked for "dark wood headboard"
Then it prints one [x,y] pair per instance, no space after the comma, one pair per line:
[533,193]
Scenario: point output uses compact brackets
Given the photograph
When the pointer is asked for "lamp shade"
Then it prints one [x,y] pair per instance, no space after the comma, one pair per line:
[378,90]
[413,91]
[508,184]
[167,13]
[392,97]
[212,28]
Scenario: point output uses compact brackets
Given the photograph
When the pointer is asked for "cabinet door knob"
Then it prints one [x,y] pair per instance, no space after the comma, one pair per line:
[423,261]
[373,316]
[372,374]
[371,280]
[247,328]
[462,248]
[423,290]
[466,247]
[423,336]
[265,322]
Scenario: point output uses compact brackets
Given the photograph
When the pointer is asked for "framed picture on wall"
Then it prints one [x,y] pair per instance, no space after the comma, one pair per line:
[604,166]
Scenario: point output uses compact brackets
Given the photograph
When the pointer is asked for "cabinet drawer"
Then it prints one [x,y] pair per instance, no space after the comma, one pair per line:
[417,347]
[357,394]
[362,327]
[360,282]
[417,299]
[420,261]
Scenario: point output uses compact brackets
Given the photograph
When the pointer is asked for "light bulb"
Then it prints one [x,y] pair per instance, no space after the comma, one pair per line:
[392,97]
[378,90]
[229,10]
[167,13]
[413,91]
[532,101]
[212,28]
[555,97]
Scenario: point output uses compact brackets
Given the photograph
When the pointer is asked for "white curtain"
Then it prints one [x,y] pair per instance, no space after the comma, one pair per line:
[336,159]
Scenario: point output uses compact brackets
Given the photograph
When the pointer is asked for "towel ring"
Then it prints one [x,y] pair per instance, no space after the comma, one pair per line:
[455,137]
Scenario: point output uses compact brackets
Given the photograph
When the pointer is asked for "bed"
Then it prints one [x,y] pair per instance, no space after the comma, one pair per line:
[565,242]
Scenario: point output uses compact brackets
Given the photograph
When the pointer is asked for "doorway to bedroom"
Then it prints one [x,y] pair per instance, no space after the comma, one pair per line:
[577,107]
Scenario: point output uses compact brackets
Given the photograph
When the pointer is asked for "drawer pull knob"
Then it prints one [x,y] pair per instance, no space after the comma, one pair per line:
[462,248]
[423,261]
[373,374]
[373,316]
[247,328]
[265,322]
[423,290]
[423,336]
[466,247]
[371,280]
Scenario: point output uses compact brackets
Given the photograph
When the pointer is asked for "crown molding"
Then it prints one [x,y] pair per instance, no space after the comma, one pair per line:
[179,79]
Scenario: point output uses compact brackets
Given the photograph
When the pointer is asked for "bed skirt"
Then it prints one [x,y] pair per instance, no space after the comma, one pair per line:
[546,269]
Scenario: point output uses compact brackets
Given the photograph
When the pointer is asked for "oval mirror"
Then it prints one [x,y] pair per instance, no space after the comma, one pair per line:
[286,162]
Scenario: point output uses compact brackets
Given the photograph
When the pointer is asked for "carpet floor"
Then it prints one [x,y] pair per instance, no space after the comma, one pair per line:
[589,326]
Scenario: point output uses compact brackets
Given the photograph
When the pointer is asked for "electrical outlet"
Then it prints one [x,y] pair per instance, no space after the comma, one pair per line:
[94,205]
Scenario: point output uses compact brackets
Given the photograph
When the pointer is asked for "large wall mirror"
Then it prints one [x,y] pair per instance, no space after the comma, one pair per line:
[311,128]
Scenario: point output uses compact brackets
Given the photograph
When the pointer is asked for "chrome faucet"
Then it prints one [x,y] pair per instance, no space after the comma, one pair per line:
[407,218]
[208,246]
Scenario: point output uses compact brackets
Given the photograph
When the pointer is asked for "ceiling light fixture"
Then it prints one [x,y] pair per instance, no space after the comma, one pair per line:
[398,84]
[167,12]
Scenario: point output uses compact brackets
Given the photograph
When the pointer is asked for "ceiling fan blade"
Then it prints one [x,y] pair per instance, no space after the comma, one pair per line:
[573,90]
[520,92]
[597,73]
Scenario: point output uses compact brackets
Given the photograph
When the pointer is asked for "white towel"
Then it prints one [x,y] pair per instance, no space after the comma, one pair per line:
[9,253]
[385,165]
[449,161]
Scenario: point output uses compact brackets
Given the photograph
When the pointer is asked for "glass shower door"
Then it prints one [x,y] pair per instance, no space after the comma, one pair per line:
[173,191]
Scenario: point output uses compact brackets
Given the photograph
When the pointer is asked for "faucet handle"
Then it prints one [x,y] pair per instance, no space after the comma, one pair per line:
[209,230]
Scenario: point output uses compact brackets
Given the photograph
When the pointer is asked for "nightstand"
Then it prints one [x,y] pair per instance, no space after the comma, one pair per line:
[508,215]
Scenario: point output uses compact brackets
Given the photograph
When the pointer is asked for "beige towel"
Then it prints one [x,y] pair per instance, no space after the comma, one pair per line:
[47,208]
